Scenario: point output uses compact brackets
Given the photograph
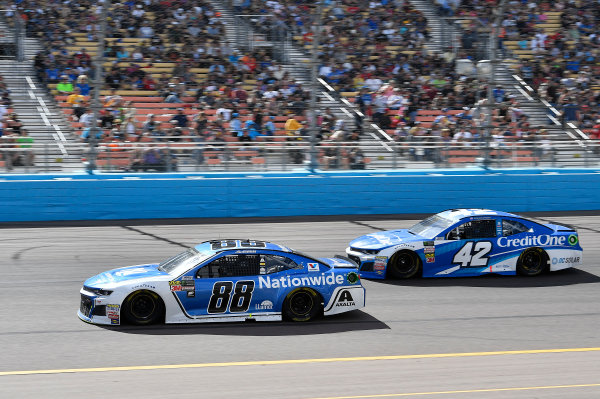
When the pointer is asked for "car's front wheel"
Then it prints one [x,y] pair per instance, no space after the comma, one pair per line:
[404,264]
[302,304]
[142,308]
[532,262]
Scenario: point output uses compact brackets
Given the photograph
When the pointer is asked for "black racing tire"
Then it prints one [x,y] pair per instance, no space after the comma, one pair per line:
[404,264]
[532,262]
[143,308]
[302,304]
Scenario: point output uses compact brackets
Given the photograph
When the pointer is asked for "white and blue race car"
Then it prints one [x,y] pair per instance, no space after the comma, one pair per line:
[467,242]
[224,280]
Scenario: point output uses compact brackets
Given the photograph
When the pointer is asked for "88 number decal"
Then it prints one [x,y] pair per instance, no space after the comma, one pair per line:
[240,300]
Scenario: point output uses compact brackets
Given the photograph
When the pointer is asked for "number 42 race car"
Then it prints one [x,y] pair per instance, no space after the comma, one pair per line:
[224,280]
[467,242]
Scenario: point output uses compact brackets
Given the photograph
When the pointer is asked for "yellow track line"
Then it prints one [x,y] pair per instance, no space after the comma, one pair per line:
[295,361]
[396,395]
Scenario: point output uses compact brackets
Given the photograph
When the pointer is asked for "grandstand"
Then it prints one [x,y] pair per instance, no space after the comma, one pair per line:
[159,61]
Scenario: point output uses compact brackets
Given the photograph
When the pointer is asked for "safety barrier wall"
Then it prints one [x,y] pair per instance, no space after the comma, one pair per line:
[144,196]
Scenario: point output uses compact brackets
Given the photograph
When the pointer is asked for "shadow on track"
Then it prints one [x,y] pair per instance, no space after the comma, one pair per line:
[555,279]
[352,321]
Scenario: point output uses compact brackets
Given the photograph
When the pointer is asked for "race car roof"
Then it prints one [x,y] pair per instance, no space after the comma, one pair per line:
[461,213]
[237,243]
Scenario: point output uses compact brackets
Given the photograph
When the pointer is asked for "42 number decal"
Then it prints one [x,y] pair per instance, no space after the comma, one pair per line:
[473,254]
[240,300]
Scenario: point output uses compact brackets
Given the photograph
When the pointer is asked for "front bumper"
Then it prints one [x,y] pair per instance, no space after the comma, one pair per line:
[97,309]
[366,264]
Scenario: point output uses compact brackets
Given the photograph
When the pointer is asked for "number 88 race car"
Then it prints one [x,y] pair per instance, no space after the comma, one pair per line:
[224,280]
[467,242]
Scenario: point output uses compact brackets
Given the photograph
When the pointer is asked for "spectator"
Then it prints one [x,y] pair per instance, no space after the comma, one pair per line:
[64,87]
[180,119]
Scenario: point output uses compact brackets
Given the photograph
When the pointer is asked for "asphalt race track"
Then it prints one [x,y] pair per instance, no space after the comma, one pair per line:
[488,337]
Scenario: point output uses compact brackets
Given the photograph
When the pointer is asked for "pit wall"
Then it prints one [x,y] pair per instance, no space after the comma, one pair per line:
[149,196]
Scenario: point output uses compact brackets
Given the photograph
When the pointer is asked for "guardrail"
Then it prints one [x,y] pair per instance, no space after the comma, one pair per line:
[186,156]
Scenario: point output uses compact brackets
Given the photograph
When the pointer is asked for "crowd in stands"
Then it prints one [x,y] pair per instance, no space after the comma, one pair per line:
[558,48]
[15,142]
[176,51]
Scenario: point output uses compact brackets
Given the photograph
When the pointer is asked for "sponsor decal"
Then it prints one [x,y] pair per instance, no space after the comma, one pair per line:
[345,299]
[379,272]
[264,305]
[175,285]
[500,268]
[112,312]
[573,239]
[532,241]
[571,259]
[499,228]
[430,257]
[380,262]
[191,294]
[429,250]
[352,278]
[246,251]
[439,238]
[428,243]
[313,267]
[287,281]
[139,286]
[430,260]
[187,278]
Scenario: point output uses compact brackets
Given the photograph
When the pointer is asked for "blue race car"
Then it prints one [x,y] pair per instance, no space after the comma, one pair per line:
[224,280]
[467,242]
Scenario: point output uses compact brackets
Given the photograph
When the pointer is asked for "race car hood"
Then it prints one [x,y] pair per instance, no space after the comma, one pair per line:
[124,274]
[384,239]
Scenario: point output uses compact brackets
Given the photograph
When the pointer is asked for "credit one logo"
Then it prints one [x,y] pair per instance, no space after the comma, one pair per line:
[529,241]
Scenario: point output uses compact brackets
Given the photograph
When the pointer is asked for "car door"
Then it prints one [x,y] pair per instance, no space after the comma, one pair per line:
[472,243]
[227,285]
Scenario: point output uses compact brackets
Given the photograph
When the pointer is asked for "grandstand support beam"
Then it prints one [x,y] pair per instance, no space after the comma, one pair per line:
[98,83]
[493,42]
[314,84]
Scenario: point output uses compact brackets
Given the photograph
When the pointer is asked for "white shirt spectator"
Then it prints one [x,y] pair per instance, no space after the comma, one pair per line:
[225,113]
[271,94]
[138,12]
[325,70]
[373,83]
[463,137]
[87,118]
[146,31]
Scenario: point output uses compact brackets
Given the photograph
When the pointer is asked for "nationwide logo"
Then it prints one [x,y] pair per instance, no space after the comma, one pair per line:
[532,241]
[285,282]
[264,305]
[345,299]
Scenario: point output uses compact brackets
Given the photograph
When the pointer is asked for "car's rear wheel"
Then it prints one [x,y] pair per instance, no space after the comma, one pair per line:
[302,304]
[404,264]
[143,308]
[532,262]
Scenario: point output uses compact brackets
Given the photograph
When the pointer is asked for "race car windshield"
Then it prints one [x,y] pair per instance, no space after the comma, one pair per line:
[190,257]
[431,227]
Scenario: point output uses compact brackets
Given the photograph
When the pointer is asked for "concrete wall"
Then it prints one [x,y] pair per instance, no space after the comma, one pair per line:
[85,197]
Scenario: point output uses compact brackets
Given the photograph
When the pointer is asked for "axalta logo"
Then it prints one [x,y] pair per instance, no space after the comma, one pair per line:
[264,305]
[345,299]
[285,282]
[529,241]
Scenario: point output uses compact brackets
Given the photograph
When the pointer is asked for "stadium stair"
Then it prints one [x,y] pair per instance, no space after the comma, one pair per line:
[37,110]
